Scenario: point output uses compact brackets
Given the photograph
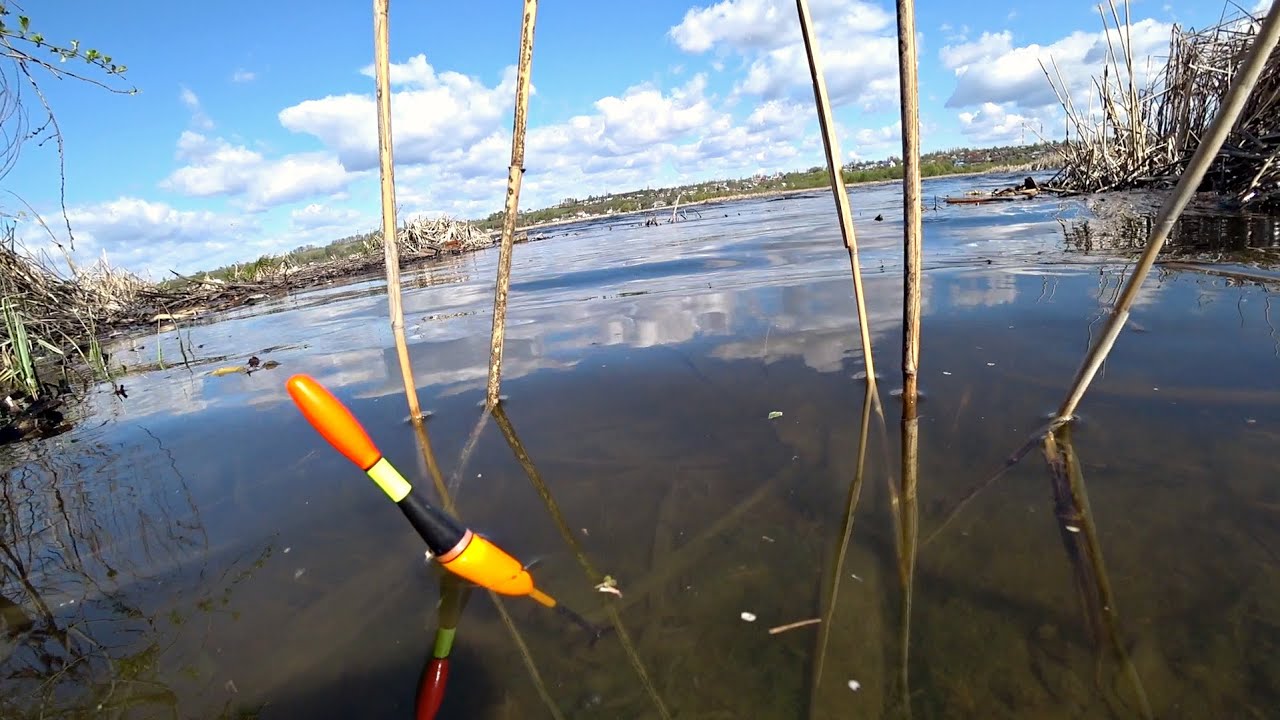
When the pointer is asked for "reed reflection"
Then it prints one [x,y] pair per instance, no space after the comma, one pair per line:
[79,628]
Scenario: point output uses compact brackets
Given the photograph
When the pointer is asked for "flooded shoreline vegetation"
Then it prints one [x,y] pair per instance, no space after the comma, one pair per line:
[55,322]
[1135,136]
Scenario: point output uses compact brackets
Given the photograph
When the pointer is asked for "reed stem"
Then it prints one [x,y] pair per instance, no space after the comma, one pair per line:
[912,230]
[838,190]
[381,48]
[514,174]
[1241,87]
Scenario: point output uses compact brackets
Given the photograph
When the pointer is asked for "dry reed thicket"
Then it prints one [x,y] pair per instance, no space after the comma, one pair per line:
[59,314]
[1133,136]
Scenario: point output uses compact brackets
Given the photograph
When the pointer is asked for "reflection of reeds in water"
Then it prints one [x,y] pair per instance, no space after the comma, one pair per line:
[1080,540]
[593,576]
[905,514]
[74,552]
[842,546]
[432,468]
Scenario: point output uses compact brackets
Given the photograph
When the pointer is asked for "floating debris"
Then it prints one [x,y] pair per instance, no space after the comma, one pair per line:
[794,625]
[775,414]
[1072,528]
[854,685]
[749,617]
[609,586]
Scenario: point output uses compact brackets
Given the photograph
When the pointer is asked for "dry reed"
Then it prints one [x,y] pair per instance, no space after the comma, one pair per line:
[831,144]
[382,81]
[1144,134]
[913,252]
[514,174]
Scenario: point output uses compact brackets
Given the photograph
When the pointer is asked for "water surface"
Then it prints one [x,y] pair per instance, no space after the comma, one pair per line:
[195,550]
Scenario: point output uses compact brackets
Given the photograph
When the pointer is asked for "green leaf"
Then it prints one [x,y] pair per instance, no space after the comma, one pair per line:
[24,22]
[37,39]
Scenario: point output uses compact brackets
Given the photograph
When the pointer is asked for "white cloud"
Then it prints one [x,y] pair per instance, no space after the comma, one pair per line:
[316,216]
[192,102]
[630,139]
[156,237]
[215,167]
[1262,7]
[431,114]
[857,40]
[992,70]
[994,124]
[243,76]
[879,136]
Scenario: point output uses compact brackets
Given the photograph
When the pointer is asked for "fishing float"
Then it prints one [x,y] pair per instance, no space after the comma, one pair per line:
[456,547]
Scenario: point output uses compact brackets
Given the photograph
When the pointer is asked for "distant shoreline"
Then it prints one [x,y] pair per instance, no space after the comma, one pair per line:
[755,195]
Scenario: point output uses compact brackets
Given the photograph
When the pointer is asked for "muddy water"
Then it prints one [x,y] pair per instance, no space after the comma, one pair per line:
[194,550]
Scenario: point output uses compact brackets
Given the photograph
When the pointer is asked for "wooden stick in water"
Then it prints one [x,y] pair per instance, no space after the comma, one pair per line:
[912,230]
[381,50]
[836,168]
[514,175]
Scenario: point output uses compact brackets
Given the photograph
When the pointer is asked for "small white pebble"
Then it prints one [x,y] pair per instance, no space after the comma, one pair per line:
[286,550]
[298,573]
[749,617]
[766,538]
[991,364]
[479,475]
[944,372]
[1073,528]
[1155,388]
[854,685]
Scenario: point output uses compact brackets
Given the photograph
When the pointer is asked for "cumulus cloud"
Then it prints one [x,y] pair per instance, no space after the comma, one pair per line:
[316,216]
[215,167]
[994,124]
[992,69]
[628,141]
[152,236]
[431,113]
[858,42]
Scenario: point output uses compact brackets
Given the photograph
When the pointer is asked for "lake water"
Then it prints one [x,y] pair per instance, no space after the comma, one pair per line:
[195,550]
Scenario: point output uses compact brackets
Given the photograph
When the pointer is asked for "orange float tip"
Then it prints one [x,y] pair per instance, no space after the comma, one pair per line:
[333,421]
[489,566]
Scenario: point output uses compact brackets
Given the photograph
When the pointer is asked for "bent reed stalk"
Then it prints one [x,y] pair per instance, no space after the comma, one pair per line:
[386,167]
[839,192]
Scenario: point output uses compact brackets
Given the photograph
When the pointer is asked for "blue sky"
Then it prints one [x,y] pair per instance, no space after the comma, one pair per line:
[253,129]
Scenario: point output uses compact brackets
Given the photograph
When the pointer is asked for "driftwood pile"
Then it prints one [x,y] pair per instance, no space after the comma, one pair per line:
[426,237]
[1133,136]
